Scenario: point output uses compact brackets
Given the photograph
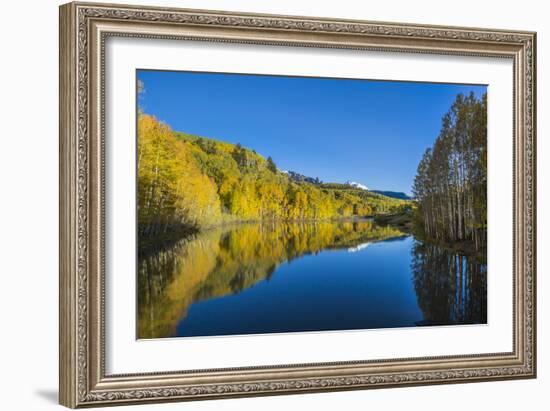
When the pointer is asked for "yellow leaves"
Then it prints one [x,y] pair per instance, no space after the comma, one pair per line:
[189,182]
[172,190]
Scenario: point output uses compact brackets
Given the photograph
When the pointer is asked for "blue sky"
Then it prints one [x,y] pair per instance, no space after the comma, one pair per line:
[372,132]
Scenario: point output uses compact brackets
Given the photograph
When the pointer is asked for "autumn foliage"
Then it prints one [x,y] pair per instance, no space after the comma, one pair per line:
[187,183]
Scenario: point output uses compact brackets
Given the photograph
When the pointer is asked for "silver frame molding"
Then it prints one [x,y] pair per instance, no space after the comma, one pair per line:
[84,28]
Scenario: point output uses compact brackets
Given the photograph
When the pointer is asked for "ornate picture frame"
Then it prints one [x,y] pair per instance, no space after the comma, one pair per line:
[84,29]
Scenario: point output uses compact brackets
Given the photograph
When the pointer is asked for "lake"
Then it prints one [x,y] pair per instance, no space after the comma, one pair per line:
[273,277]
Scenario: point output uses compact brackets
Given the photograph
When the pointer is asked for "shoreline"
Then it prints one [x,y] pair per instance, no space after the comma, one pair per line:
[404,222]
[146,246]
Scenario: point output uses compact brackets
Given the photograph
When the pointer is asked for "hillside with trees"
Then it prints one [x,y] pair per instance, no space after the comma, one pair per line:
[187,183]
[451,182]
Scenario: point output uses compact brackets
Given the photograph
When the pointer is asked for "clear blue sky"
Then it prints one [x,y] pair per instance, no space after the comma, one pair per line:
[372,132]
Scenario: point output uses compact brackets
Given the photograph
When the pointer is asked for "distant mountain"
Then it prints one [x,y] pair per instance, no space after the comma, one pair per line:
[393,194]
[357,185]
[301,178]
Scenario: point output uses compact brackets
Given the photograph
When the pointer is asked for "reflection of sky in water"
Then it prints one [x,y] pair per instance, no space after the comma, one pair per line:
[358,248]
[332,290]
[253,279]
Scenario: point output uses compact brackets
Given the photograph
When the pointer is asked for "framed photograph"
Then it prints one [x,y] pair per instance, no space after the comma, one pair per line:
[259,204]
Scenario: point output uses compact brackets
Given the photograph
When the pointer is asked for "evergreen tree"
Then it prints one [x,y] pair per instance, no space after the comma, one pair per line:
[271,165]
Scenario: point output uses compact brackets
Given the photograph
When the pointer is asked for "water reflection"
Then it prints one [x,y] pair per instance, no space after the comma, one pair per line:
[229,259]
[340,275]
[451,288]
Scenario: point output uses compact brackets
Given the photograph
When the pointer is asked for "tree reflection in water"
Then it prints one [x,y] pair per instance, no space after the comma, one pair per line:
[450,288]
[227,260]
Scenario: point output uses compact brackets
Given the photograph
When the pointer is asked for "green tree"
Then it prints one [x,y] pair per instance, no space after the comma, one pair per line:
[271,165]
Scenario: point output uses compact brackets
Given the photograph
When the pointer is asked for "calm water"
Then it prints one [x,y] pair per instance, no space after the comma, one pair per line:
[292,277]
